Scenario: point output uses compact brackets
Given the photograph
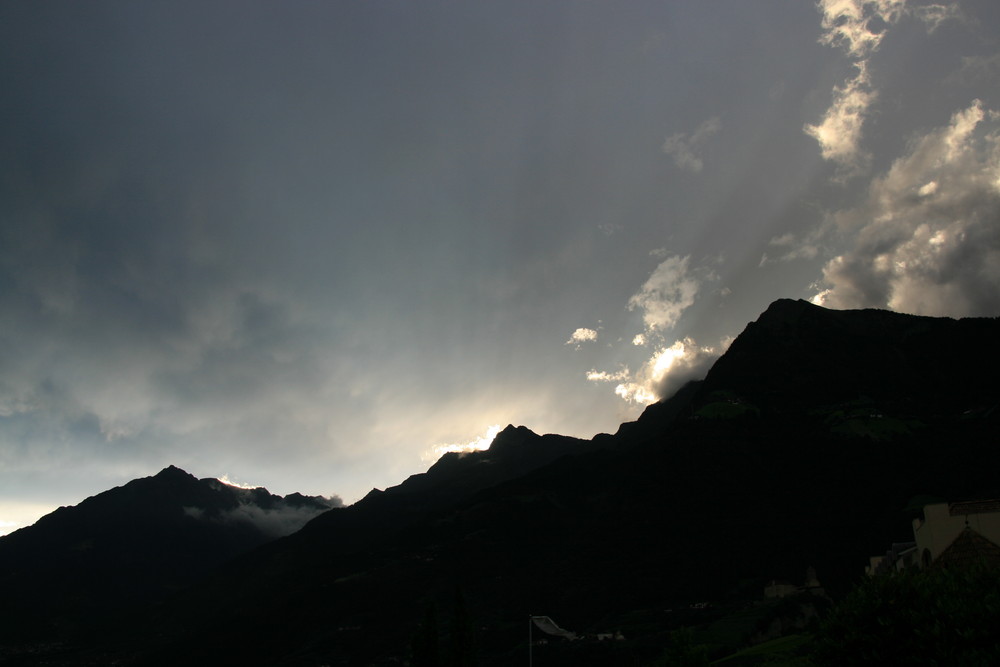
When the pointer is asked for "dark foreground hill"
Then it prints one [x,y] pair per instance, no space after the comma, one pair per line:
[133,545]
[801,448]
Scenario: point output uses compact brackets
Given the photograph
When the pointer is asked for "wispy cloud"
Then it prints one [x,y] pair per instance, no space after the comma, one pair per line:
[278,521]
[605,376]
[669,291]
[926,238]
[934,15]
[791,247]
[977,69]
[858,27]
[684,147]
[839,132]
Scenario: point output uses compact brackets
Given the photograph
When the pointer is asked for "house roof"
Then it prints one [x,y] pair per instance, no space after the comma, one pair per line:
[967,549]
[974,507]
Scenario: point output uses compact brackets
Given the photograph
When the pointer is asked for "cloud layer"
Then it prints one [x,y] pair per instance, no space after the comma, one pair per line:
[278,520]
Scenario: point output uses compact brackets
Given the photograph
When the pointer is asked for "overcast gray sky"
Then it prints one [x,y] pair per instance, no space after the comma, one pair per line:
[309,245]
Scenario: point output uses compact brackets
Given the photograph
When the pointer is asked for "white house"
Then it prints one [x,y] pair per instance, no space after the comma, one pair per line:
[947,532]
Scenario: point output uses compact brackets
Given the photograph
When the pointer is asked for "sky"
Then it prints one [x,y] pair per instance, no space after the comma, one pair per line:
[312,245]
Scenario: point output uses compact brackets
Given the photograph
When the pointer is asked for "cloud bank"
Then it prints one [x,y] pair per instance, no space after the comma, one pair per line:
[276,517]
[275,522]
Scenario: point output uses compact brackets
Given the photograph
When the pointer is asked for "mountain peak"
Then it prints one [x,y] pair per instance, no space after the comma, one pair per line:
[173,472]
[788,308]
[799,352]
[512,436]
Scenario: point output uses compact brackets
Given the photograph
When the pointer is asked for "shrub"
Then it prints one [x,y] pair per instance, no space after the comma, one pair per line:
[936,617]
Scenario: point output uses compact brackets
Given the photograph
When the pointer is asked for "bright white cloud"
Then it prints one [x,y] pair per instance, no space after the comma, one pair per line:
[683,147]
[668,292]
[605,376]
[582,335]
[239,485]
[926,239]
[477,444]
[855,24]
[858,27]
[666,371]
[839,133]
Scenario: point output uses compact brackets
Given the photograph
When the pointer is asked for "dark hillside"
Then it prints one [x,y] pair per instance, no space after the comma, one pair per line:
[132,545]
[798,355]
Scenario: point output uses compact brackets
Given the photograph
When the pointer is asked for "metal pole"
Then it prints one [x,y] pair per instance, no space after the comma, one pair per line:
[529,641]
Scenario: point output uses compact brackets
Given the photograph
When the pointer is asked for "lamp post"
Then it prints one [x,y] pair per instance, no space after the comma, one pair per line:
[530,646]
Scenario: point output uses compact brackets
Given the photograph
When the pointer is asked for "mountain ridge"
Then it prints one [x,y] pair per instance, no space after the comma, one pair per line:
[800,448]
[736,459]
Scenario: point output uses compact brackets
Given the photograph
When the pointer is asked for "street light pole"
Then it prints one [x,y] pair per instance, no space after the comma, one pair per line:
[530,622]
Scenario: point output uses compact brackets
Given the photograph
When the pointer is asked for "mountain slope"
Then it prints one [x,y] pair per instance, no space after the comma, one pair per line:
[798,353]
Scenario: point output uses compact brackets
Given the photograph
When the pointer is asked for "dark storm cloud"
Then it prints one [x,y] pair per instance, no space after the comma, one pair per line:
[233,235]
[142,277]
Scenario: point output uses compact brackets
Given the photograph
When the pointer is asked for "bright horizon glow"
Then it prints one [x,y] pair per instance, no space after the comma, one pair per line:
[21,515]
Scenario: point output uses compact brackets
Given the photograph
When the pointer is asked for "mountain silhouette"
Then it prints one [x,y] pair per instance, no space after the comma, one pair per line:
[801,448]
[134,544]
